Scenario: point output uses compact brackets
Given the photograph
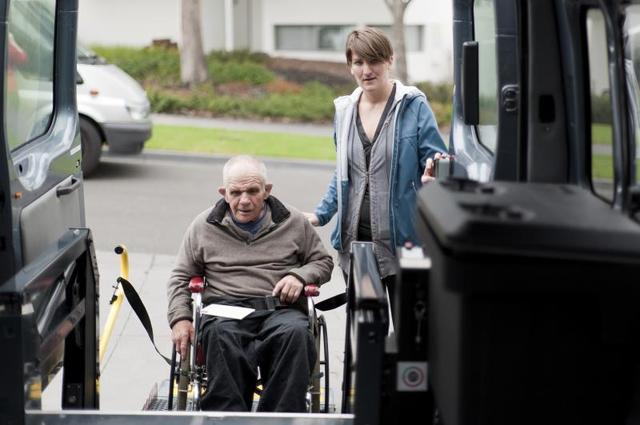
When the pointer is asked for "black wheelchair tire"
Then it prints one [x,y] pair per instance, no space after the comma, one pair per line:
[172,378]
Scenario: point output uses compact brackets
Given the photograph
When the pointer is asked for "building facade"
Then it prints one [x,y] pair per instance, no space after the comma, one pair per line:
[303,29]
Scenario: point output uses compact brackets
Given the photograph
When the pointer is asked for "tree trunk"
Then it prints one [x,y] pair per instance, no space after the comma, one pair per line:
[397,8]
[193,69]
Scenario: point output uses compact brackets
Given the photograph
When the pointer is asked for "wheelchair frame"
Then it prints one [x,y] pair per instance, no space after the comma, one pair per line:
[189,374]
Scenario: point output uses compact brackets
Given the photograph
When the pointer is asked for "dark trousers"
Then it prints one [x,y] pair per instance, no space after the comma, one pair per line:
[279,342]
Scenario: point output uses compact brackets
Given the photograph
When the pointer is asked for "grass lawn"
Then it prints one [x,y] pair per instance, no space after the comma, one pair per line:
[601,134]
[231,142]
[282,145]
[602,167]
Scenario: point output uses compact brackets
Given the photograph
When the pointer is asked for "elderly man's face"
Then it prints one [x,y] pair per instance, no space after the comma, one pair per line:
[245,196]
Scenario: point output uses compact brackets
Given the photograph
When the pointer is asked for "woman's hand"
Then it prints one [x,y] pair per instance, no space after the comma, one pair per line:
[430,167]
[313,219]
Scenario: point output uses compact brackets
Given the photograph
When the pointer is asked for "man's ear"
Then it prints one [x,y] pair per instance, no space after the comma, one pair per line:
[222,191]
[267,188]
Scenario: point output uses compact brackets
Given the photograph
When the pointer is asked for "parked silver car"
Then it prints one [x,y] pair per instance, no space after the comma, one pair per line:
[113,110]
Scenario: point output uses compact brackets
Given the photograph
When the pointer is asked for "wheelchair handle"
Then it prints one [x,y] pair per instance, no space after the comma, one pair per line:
[196,285]
[311,290]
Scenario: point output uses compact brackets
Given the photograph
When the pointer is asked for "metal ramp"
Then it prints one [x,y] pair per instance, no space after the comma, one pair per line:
[83,417]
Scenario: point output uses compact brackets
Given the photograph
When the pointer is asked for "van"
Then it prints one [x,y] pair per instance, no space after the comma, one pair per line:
[113,109]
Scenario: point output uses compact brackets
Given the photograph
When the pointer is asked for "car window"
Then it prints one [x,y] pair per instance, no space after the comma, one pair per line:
[601,112]
[484,27]
[632,69]
[29,70]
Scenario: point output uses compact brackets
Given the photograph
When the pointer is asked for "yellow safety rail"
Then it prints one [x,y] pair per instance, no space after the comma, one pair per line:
[118,296]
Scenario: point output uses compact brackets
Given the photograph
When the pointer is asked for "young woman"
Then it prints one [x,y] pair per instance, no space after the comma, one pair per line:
[386,138]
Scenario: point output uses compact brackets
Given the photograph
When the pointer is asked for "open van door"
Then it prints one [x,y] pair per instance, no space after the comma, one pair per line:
[47,268]
[536,250]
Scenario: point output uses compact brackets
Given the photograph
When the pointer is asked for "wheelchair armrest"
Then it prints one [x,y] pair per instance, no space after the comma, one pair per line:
[311,290]
[196,284]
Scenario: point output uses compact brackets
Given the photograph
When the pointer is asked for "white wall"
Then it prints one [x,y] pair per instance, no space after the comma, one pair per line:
[127,22]
[138,22]
[212,24]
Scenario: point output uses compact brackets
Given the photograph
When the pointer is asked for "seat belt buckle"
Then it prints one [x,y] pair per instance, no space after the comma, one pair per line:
[270,302]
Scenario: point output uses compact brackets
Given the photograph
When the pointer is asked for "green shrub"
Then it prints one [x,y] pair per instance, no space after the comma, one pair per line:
[437,92]
[237,56]
[248,72]
[162,101]
[314,104]
[442,111]
[150,64]
[601,108]
[158,69]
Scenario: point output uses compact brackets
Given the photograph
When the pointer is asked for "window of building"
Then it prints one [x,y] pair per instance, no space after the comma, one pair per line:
[601,112]
[413,36]
[312,37]
[484,27]
[29,70]
[332,38]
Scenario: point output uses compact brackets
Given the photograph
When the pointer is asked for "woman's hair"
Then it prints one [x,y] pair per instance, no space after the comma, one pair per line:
[370,44]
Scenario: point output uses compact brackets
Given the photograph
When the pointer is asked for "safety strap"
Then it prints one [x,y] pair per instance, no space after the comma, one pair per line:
[138,307]
[332,302]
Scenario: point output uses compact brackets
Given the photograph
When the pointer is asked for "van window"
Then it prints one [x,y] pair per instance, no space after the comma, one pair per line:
[632,70]
[601,113]
[29,70]
[484,27]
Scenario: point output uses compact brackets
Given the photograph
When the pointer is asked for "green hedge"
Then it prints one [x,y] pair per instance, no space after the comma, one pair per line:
[158,70]
[314,103]
[437,92]
[150,64]
[247,72]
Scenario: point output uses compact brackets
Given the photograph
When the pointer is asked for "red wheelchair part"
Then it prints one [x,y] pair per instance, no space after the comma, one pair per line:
[196,285]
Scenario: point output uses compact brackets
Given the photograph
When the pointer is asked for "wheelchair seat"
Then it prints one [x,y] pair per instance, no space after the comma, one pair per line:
[188,375]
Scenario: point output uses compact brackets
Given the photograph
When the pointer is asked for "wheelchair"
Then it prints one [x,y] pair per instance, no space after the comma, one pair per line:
[188,375]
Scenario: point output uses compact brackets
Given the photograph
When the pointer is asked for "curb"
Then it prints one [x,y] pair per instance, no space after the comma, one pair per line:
[173,156]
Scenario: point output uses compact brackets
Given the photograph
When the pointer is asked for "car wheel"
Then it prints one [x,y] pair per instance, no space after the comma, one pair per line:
[91,146]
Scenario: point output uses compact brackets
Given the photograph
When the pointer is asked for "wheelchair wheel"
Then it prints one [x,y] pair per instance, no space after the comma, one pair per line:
[173,373]
[320,372]
[184,373]
[322,326]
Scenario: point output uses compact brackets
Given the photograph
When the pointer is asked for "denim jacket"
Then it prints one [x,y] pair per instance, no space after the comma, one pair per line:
[416,138]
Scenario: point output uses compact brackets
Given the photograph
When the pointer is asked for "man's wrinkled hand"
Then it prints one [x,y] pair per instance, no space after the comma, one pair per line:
[288,289]
[183,333]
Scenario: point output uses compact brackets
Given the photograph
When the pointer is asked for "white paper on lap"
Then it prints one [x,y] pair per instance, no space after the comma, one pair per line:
[228,311]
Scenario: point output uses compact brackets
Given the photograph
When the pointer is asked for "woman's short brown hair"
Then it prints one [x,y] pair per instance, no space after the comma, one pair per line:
[370,44]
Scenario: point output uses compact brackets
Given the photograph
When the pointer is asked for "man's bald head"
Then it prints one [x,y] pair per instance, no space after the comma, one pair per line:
[243,166]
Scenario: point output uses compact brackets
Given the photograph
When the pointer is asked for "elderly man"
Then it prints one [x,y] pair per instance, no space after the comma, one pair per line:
[248,246]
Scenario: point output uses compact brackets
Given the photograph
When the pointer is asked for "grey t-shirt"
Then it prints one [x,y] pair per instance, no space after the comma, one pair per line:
[364,223]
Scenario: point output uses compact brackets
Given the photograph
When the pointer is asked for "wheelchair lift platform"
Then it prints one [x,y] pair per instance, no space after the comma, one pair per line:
[369,393]
[82,417]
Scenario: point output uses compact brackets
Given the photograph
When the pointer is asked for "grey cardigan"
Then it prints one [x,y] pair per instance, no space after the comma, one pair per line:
[238,264]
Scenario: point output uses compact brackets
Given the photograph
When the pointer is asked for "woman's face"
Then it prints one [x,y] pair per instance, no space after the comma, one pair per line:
[370,76]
